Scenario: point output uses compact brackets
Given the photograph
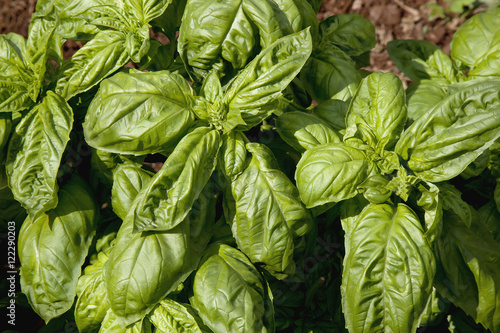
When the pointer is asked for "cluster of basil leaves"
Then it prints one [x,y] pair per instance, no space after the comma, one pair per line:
[216,239]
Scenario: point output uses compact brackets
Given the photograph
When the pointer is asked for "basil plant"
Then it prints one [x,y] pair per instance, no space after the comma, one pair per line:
[228,166]
[393,171]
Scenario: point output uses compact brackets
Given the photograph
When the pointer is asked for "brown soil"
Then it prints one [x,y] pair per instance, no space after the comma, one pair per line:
[393,19]
[400,19]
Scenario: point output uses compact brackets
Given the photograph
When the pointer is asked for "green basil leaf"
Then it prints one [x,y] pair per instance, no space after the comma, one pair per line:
[37,51]
[349,213]
[15,77]
[52,250]
[11,209]
[144,267]
[128,180]
[432,204]
[5,129]
[379,107]
[229,293]
[265,199]
[303,130]
[168,197]
[203,44]
[212,31]
[330,73]
[468,274]
[375,189]
[35,152]
[74,16]
[478,166]
[352,33]
[103,164]
[466,116]
[13,51]
[421,60]
[333,111]
[388,270]
[100,57]
[452,200]
[92,304]
[424,95]
[256,88]
[170,316]
[211,89]
[111,324]
[489,66]
[233,153]
[316,4]
[446,154]
[139,113]
[476,39]
[461,101]
[146,10]
[137,43]
[491,217]
[170,21]
[330,173]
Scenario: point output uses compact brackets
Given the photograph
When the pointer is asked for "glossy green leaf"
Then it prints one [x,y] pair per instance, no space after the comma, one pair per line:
[37,51]
[468,272]
[170,21]
[111,324]
[211,89]
[388,271]
[330,73]
[230,294]
[103,163]
[256,88]
[490,215]
[424,95]
[303,130]
[233,153]
[446,139]
[146,10]
[333,111]
[378,109]
[53,247]
[489,66]
[213,31]
[476,39]
[375,189]
[144,267]
[446,154]
[352,33]
[170,316]
[74,16]
[139,113]
[463,100]
[421,60]
[35,152]
[128,180]
[330,173]
[265,200]
[137,43]
[432,204]
[452,200]
[168,197]
[92,304]
[349,212]
[100,57]
[5,128]
[15,76]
